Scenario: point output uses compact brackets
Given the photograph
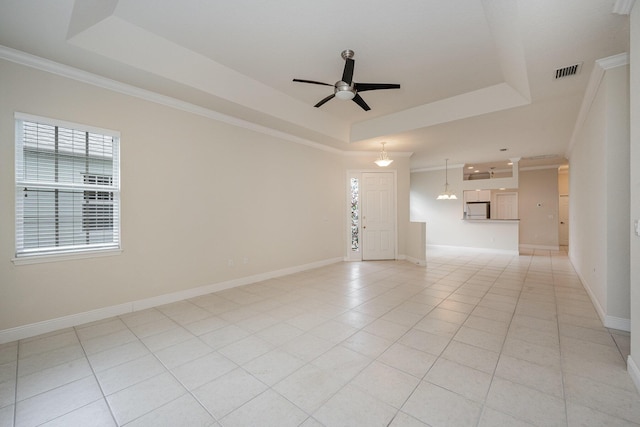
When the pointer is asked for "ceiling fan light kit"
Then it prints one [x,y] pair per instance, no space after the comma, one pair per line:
[346,88]
[344,91]
[383,158]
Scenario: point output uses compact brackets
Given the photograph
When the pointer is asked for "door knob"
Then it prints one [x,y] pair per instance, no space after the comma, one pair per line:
[561,222]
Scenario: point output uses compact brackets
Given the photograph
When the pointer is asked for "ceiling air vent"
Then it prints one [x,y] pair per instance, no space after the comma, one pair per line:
[570,70]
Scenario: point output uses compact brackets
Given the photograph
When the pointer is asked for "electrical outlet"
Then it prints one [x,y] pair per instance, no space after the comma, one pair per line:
[230,263]
[245,260]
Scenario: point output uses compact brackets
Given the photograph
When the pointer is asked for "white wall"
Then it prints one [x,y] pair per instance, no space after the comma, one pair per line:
[195,193]
[587,234]
[634,359]
[563,181]
[599,203]
[439,215]
[538,208]
[618,193]
[416,248]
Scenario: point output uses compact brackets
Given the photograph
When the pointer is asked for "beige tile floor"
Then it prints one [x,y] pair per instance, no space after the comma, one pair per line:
[474,339]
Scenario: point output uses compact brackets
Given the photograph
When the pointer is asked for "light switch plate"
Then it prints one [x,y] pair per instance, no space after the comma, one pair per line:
[636,226]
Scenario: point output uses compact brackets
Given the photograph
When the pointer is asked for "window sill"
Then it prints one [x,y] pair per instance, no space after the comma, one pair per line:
[37,259]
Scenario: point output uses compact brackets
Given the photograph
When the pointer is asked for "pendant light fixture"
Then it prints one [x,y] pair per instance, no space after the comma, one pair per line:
[383,158]
[446,195]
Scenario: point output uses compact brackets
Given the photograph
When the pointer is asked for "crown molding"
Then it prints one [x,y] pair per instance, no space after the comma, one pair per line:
[536,168]
[601,65]
[613,61]
[438,168]
[42,64]
[623,7]
[369,153]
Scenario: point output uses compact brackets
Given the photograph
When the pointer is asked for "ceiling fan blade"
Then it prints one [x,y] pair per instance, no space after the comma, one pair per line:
[347,74]
[321,103]
[358,100]
[361,87]
[312,82]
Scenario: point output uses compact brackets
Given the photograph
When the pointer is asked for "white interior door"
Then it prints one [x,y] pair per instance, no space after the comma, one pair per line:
[378,216]
[563,218]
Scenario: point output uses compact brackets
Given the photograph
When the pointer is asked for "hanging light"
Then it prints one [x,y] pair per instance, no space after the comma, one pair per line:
[383,158]
[446,195]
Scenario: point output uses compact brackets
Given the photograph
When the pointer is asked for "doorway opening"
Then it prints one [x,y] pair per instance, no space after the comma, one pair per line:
[563,208]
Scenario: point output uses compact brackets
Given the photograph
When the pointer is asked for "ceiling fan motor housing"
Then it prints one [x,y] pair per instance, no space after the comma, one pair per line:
[347,54]
[344,90]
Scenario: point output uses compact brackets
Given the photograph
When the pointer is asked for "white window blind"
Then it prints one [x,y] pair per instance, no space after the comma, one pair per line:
[67,188]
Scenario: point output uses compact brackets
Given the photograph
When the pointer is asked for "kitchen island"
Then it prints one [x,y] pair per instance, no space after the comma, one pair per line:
[501,235]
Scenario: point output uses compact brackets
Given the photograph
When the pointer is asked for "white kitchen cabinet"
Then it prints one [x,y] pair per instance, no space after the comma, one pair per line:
[477,196]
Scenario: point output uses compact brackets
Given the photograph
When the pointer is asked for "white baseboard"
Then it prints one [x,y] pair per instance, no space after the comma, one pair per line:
[618,323]
[46,326]
[634,371]
[472,249]
[416,261]
[543,247]
[585,284]
[398,258]
[612,322]
[38,328]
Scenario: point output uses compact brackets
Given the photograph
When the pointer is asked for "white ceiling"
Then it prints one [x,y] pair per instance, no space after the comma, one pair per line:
[476,75]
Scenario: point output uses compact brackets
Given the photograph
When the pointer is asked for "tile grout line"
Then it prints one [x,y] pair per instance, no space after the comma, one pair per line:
[361,329]
[562,373]
[495,368]
[92,374]
[443,350]
[15,391]
[493,375]
[468,314]
[452,338]
[169,370]
[95,377]
[123,363]
[16,401]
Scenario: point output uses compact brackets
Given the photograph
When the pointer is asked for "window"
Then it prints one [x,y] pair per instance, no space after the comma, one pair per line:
[355,215]
[67,188]
[97,209]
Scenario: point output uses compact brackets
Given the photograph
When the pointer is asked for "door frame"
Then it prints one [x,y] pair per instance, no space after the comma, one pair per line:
[351,255]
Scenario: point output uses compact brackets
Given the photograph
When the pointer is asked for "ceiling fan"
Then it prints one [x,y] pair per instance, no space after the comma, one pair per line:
[346,88]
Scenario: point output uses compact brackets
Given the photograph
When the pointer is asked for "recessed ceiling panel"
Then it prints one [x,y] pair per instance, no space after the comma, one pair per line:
[434,49]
